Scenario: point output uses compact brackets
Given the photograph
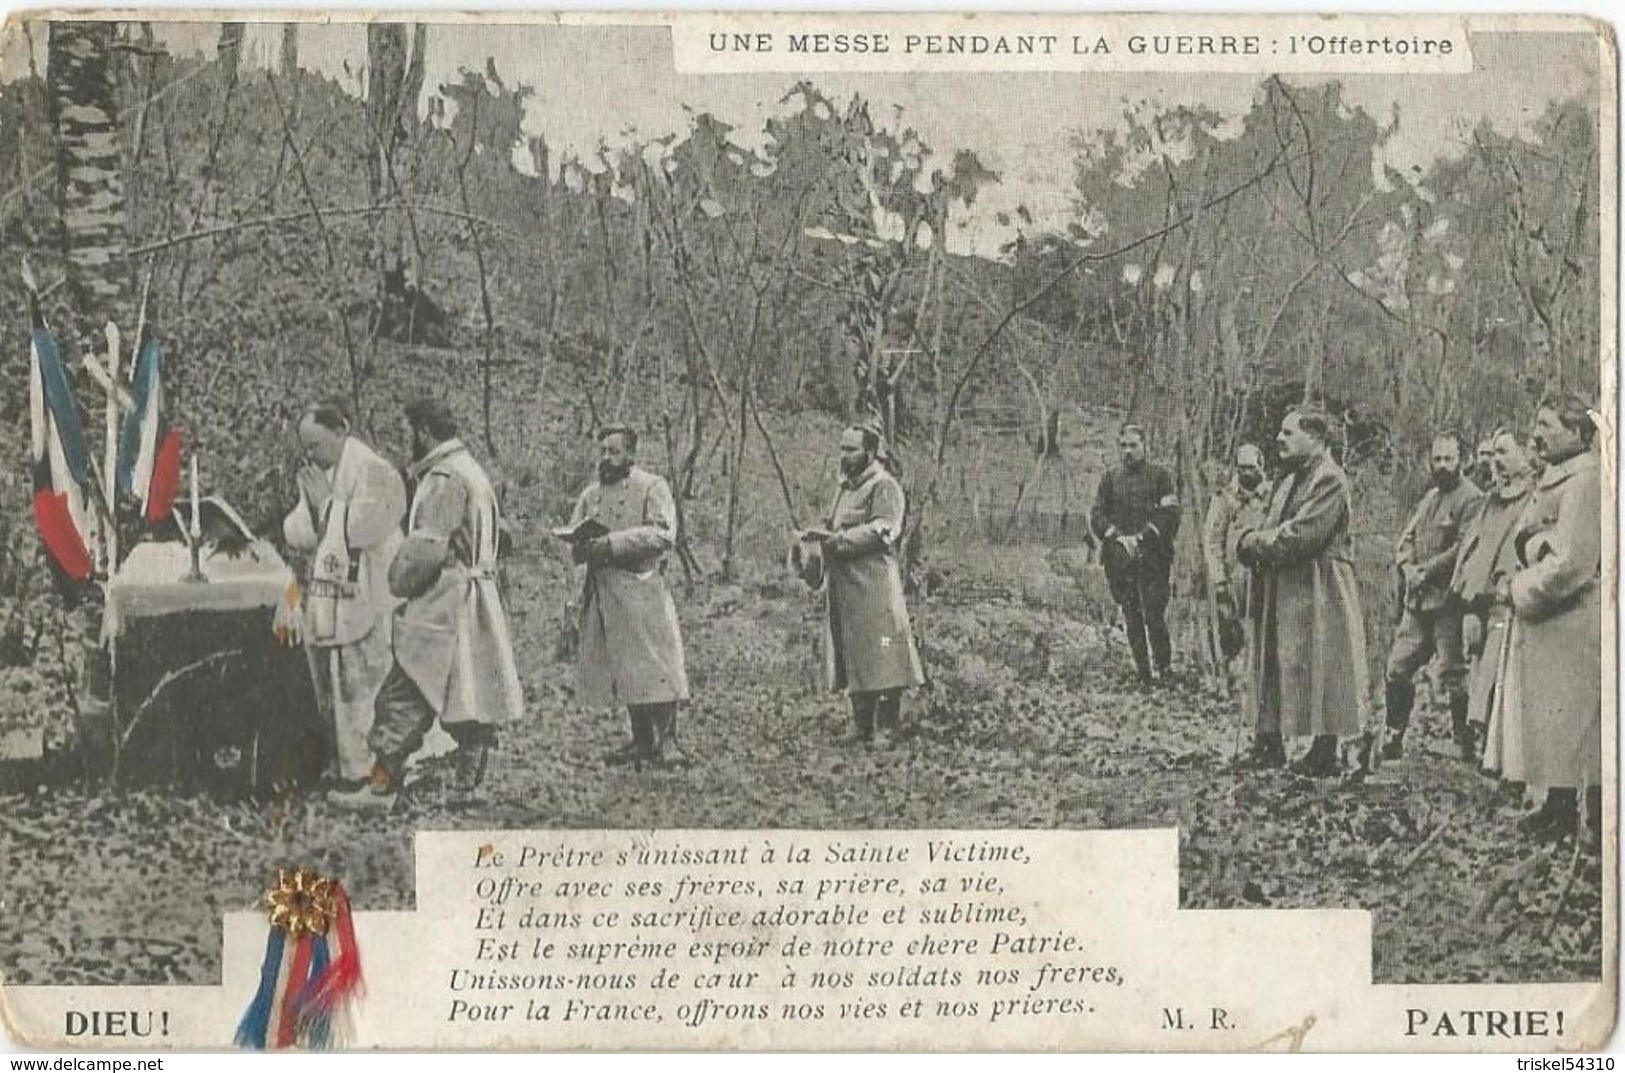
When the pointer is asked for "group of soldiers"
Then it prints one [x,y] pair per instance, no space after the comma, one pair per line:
[631,651]
[401,616]
[1502,583]
[408,641]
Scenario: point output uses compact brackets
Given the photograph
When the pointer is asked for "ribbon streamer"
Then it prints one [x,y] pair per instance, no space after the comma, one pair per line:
[312,969]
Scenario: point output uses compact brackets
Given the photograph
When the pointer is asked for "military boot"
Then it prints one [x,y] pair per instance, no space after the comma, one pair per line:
[1268,751]
[1321,760]
[645,736]
[628,752]
[378,794]
[1461,730]
[471,760]
[1399,696]
[863,719]
[889,716]
[636,750]
[1555,819]
[1367,756]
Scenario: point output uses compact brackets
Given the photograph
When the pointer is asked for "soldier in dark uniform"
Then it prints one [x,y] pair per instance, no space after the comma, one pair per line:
[1431,619]
[1135,517]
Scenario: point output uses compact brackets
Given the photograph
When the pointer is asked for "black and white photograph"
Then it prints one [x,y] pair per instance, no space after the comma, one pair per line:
[888,436]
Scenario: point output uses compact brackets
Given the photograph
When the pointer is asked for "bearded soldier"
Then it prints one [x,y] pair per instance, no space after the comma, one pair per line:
[631,645]
[1431,620]
[453,657]
[1488,555]
[869,646]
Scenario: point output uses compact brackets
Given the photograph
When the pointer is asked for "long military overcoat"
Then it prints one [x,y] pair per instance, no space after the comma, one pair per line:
[451,635]
[869,643]
[1308,664]
[1557,601]
[631,646]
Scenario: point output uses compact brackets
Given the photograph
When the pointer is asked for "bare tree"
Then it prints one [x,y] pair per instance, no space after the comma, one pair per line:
[89,172]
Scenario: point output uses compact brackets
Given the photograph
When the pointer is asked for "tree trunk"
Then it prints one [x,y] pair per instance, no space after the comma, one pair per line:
[412,85]
[229,49]
[288,60]
[386,83]
[89,174]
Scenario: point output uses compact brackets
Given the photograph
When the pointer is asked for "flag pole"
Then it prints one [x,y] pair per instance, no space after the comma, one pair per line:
[110,453]
[141,322]
[94,486]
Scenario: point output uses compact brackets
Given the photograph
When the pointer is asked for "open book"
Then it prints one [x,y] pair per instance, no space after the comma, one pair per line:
[587,531]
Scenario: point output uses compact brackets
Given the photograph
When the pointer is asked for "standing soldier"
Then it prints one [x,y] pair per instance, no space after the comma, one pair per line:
[1557,601]
[1307,662]
[348,518]
[1135,517]
[1487,556]
[1431,621]
[1238,507]
[631,648]
[868,643]
[453,654]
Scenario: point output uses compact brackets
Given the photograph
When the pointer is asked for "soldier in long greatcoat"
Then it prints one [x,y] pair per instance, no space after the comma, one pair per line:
[1556,600]
[1488,554]
[631,644]
[869,648]
[1237,507]
[1308,659]
[453,653]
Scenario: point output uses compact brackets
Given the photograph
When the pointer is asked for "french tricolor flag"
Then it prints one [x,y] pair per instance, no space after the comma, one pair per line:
[60,455]
[149,457]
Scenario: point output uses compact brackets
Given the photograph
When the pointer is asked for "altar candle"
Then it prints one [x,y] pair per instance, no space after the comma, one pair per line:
[196,529]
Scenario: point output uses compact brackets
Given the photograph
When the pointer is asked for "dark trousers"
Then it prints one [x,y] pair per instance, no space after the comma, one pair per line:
[652,726]
[1141,590]
[882,708]
[402,715]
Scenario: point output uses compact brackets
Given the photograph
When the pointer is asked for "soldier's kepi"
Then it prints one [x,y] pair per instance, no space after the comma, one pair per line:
[453,657]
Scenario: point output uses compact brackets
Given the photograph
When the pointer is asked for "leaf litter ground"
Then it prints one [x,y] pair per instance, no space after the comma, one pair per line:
[1028,721]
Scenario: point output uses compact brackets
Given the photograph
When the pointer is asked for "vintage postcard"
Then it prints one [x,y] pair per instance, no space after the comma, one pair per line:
[798,532]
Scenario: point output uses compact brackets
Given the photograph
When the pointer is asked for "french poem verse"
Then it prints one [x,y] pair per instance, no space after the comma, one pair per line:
[700,931]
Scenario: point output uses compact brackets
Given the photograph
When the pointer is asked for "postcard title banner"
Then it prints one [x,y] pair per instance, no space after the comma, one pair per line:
[746,42]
